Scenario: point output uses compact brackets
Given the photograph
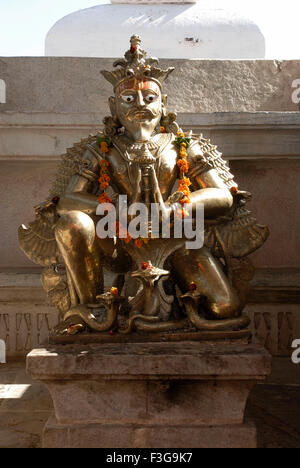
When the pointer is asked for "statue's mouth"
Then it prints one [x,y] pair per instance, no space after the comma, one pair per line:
[140,115]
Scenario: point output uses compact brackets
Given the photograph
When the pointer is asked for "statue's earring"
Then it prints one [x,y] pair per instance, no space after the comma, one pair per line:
[112,106]
[168,120]
[164,101]
[111,123]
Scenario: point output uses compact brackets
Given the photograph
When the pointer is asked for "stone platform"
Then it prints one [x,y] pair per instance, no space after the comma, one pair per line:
[149,395]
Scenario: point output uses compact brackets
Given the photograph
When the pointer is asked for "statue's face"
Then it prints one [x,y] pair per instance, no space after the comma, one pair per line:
[138,106]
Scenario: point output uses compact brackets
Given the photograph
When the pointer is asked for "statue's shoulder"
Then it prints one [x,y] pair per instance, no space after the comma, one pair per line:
[199,154]
[201,148]
[204,156]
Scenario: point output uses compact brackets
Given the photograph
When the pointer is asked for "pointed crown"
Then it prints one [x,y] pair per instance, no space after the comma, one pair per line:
[136,65]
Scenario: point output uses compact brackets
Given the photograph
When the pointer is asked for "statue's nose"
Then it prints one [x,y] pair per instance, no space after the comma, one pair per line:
[140,99]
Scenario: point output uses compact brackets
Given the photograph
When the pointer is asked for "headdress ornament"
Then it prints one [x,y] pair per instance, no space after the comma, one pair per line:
[136,65]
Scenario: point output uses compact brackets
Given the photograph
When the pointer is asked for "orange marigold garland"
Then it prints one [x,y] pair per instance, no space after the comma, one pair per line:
[104,143]
[183,187]
[104,198]
[183,143]
[104,181]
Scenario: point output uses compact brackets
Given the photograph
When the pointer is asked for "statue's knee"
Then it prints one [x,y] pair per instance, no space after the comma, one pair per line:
[229,307]
[75,225]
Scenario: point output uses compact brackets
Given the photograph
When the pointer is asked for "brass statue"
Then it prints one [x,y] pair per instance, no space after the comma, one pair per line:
[160,285]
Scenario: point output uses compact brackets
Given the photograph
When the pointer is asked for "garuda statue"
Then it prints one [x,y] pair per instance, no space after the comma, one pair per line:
[159,285]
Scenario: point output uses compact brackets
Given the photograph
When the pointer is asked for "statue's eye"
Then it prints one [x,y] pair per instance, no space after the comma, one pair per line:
[150,97]
[128,98]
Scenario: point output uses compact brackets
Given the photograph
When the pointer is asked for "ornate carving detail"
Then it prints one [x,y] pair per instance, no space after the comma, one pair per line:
[44,326]
[285,332]
[136,64]
[23,331]
[111,126]
[168,121]
[274,330]
[55,283]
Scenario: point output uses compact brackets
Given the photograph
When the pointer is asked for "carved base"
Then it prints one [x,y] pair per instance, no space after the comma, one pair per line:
[146,395]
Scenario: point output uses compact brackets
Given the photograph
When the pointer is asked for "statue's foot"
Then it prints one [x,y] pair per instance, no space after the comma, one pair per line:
[190,301]
[81,316]
[71,326]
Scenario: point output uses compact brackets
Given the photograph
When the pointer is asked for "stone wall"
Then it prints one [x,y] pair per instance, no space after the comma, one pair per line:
[245,107]
[57,84]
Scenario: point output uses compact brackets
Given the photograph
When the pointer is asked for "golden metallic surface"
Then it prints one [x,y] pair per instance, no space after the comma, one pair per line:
[56,285]
[191,300]
[172,325]
[206,272]
[76,237]
[187,334]
[202,289]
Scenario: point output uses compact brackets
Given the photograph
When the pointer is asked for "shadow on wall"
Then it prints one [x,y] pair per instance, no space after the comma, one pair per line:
[2,92]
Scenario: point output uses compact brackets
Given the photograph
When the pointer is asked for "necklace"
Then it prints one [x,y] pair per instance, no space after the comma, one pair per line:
[131,150]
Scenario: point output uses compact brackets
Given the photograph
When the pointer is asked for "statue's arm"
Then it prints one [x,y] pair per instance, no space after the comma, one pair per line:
[78,194]
[77,198]
[209,188]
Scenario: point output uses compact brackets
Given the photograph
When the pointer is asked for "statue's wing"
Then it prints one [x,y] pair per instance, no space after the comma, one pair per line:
[237,237]
[237,234]
[38,240]
[72,162]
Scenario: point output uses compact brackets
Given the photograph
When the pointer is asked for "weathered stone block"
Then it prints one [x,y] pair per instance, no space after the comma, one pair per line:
[119,436]
[185,394]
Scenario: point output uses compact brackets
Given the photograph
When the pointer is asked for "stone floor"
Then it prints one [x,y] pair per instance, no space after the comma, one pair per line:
[275,407]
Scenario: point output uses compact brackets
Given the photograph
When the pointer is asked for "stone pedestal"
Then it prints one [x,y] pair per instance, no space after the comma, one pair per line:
[149,395]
